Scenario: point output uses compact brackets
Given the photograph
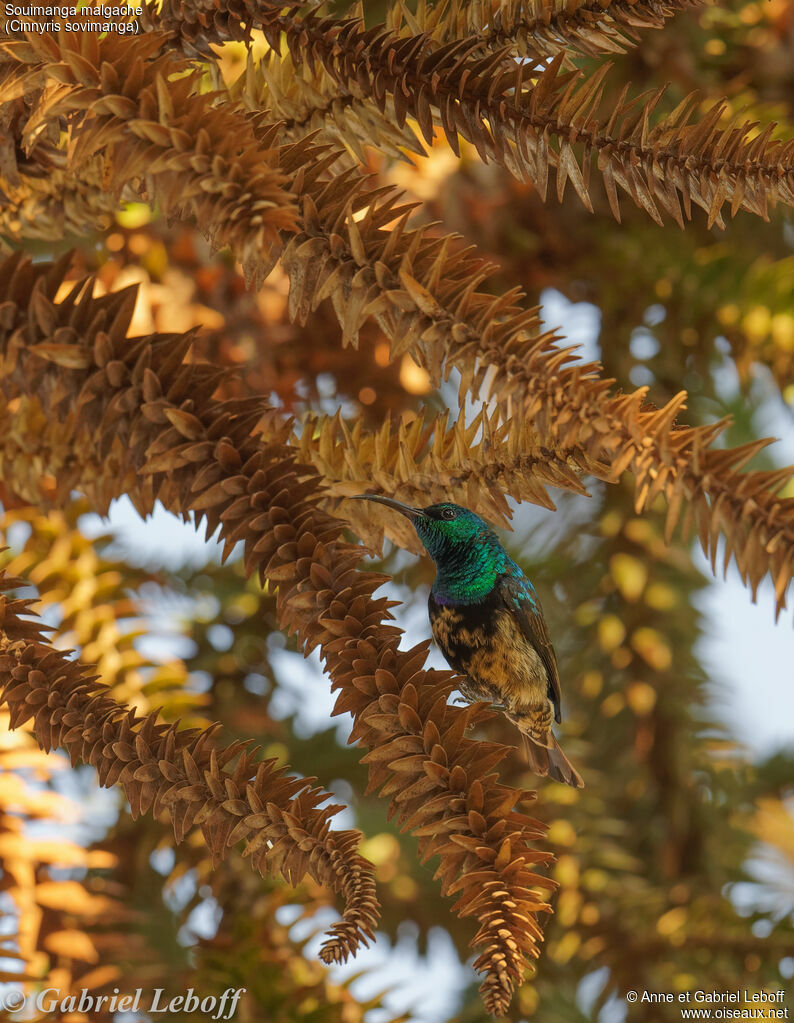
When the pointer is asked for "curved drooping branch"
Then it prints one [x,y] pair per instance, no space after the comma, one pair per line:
[430,459]
[141,405]
[544,27]
[423,461]
[527,28]
[315,100]
[526,117]
[164,769]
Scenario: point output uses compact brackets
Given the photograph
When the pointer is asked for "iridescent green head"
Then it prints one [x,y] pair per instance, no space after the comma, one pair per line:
[466,550]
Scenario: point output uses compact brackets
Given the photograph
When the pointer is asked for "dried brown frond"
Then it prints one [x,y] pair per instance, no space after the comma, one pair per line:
[199,455]
[429,459]
[164,769]
[130,113]
[540,27]
[309,101]
[526,118]
[422,462]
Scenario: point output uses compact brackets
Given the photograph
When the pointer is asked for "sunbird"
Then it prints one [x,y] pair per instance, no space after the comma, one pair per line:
[487,619]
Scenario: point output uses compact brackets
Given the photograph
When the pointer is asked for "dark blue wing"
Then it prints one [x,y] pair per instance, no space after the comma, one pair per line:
[519,597]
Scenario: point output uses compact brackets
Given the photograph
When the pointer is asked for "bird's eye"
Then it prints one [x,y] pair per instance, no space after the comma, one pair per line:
[448,513]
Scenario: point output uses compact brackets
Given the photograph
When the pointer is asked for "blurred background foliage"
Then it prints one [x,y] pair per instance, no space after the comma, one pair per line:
[676,862]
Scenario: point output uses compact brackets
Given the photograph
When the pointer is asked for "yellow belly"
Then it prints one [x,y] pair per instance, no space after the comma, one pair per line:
[503,666]
[511,663]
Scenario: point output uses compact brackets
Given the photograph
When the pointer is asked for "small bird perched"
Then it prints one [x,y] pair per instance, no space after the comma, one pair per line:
[487,619]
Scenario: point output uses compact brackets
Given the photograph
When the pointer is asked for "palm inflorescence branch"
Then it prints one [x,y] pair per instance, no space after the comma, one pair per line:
[269,165]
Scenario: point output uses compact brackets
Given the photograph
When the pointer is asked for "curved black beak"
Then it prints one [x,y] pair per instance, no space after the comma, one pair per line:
[403,509]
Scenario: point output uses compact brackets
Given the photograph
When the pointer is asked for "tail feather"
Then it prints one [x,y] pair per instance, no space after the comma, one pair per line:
[550,761]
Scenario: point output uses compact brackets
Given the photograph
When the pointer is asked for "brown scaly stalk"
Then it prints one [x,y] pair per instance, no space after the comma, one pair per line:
[136,397]
[479,462]
[543,27]
[423,292]
[430,459]
[316,102]
[531,28]
[671,164]
[163,769]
